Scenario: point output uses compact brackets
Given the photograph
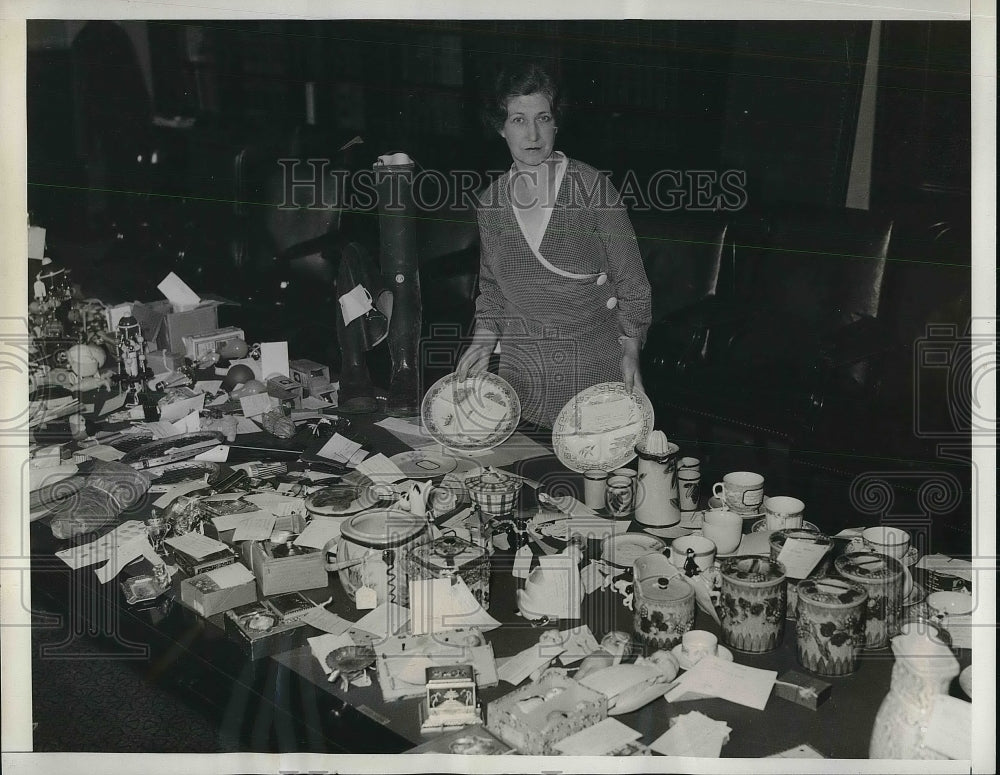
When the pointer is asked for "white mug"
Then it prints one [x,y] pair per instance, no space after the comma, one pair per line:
[783,512]
[742,491]
[594,483]
[697,644]
[689,462]
[689,488]
[724,527]
[704,551]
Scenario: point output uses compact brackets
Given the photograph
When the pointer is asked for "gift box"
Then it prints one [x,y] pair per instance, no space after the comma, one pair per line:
[162,361]
[166,328]
[534,717]
[284,567]
[192,565]
[802,689]
[309,374]
[219,590]
[260,632]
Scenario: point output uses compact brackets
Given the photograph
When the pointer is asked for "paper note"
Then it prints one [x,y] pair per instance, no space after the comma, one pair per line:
[437,605]
[113,404]
[522,562]
[693,734]
[177,490]
[189,424]
[178,292]
[219,399]
[357,458]
[600,739]
[949,727]
[255,405]
[278,504]
[523,664]
[217,454]
[384,620]
[245,425]
[273,359]
[327,621]
[714,677]
[258,527]
[196,545]
[232,521]
[121,556]
[210,386]
[102,452]
[339,448]
[231,575]
[176,410]
[100,549]
[578,643]
[319,531]
[800,557]
[381,469]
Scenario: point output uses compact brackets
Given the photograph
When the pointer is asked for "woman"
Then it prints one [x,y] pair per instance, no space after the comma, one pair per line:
[562,286]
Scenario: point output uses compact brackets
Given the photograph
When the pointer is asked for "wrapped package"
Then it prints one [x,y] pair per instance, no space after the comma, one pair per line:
[109,489]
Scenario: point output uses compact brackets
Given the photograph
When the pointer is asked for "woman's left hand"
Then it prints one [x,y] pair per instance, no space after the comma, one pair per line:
[631,375]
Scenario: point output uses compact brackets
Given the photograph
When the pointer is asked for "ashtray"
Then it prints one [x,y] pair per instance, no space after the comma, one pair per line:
[142,589]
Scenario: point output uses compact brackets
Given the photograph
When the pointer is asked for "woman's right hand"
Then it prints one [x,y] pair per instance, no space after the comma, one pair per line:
[476,358]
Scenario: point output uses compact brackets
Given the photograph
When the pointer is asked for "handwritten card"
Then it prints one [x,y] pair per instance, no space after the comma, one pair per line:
[693,734]
[232,575]
[438,605]
[339,448]
[600,739]
[257,527]
[320,531]
[800,557]
[381,469]
[278,504]
[100,549]
[124,554]
[713,677]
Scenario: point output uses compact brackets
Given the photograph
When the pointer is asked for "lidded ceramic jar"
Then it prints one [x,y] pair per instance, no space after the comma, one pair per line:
[777,541]
[883,578]
[378,540]
[830,630]
[924,668]
[663,605]
[752,602]
[494,492]
[450,556]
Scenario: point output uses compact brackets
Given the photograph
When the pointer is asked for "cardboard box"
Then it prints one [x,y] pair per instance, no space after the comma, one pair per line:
[261,633]
[309,373]
[166,329]
[278,572]
[802,689]
[162,361]
[293,523]
[219,590]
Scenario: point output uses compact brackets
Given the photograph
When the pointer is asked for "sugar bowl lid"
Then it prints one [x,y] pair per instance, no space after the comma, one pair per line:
[751,569]
[664,589]
[832,592]
[867,566]
[383,528]
[493,481]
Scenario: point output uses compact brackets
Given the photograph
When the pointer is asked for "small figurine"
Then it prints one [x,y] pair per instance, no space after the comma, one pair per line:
[133,371]
[691,568]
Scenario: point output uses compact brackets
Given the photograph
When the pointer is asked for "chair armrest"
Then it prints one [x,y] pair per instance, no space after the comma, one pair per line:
[865,338]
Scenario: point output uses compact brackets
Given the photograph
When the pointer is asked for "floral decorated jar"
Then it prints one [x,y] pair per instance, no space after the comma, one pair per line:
[450,556]
[777,541]
[830,630]
[883,578]
[664,602]
[752,602]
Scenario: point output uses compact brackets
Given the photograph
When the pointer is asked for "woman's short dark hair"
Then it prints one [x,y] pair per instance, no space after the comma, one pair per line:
[520,81]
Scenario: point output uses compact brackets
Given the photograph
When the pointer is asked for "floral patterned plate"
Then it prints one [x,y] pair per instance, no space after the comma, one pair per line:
[600,426]
[471,416]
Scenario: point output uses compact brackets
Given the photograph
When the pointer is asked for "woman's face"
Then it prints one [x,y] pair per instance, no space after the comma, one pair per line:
[530,129]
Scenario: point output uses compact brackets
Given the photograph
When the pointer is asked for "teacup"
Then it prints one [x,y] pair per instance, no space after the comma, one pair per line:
[697,644]
[724,528]
[890,541]
[742,491]
[783,512]
[689,488]
[945,603]
[704,551]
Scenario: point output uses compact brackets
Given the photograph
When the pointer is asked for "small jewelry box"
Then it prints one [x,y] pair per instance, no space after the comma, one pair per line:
[450,699]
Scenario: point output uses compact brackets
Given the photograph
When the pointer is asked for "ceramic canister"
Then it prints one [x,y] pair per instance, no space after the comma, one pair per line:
[883,579]
[450,556]
[830,630]
[664,602]
[657,500]
[752,602]
[777,541]
[379,539]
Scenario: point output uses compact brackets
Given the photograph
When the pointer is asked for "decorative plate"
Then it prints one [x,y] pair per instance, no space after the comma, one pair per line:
[470,416]
[340,500]
[600,426]
[760,526]
[623,549]
[424,464]
[678,651]
[965,681]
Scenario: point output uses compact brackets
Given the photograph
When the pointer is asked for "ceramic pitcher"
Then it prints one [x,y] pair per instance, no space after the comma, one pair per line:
[657,498]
